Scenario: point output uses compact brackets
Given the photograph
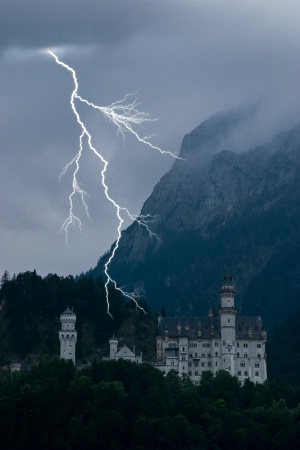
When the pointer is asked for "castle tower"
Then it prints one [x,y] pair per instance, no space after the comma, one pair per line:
[227,317]
[68,335]
[113,347]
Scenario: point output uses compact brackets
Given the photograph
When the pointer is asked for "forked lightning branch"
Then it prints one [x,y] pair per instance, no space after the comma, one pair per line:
[125,117]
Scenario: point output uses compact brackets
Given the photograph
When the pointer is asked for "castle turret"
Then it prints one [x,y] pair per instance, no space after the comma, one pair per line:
[227,317]
[113,346]
[68,335]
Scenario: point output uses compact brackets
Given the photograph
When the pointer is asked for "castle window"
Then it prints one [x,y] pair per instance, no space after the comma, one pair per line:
[245,345]
[216,364]
[242,364]
[203,355]
[239,373]
[208,355]
[190,355]
[258,355]
[216,353]
[223,343]
[257,373]
[190,363]
[258,345]
[256,364]
[203,364]
[183,349]
[245,355]
[237,344]
[183,358]
[196,364]
[228,320]
[237,355]
[172,362]
[216,344]
[209,364]
[196,373]
[196,355]
[190,373]
[246,373]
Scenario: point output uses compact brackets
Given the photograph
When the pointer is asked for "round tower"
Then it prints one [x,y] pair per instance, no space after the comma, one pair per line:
[227,318]
[113,346]
[68,335]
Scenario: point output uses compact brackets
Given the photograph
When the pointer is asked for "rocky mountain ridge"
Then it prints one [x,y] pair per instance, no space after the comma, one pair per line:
[214,205]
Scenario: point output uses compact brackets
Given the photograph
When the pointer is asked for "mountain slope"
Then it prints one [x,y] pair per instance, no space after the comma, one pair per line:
[214,205]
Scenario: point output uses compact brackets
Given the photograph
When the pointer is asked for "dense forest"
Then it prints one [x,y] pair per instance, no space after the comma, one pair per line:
[31,307]
[123,405]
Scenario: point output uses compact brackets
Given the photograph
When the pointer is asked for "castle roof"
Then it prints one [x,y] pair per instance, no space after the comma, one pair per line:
[68,311]
[125,352]
[209,327]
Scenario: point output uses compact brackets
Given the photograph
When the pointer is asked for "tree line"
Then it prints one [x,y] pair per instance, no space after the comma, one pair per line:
[123,405]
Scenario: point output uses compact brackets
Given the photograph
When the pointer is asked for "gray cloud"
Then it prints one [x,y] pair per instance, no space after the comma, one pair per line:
[187,60]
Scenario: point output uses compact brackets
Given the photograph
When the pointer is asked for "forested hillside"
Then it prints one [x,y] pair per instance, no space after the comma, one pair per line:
[122,405]
[31,306]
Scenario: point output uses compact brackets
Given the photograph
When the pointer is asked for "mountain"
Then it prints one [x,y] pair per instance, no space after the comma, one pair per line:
[219,203]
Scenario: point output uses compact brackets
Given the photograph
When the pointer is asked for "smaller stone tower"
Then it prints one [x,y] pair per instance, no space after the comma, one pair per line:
[113,346]
[68,335]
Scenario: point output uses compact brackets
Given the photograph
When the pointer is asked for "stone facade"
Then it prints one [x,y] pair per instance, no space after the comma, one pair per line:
[191,345]
[68,335]
[123,353]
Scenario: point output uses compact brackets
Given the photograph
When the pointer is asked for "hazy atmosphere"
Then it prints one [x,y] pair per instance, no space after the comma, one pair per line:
[185,60]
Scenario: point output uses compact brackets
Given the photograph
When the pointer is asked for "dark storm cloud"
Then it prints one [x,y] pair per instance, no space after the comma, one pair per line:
[33,23]
[187,60]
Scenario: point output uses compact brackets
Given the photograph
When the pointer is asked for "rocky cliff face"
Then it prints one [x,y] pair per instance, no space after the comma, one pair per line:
[214,205]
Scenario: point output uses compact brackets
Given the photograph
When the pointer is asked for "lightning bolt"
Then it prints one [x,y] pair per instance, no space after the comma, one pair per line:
[125,116]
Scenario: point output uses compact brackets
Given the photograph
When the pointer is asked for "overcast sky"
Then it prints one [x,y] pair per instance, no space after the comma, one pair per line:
[185,59]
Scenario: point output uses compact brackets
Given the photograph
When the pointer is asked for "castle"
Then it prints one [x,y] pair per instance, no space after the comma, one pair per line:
[225,342]
[192,345]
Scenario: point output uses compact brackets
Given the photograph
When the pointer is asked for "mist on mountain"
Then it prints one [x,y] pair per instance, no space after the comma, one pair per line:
[233,196]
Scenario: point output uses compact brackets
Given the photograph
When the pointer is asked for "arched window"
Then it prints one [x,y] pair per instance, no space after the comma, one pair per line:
[239,373]
[242,364]
[246,373]
[257,373]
